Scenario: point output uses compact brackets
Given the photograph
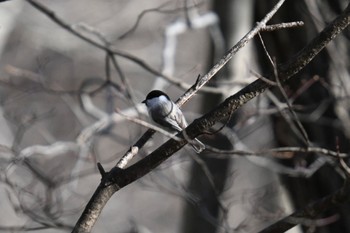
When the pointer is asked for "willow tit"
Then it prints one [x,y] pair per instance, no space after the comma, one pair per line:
[166,113]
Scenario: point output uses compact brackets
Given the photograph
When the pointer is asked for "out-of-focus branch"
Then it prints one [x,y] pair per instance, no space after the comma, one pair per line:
[72,29]
[118,178]
[311,210]
[280,152]
[297,127]
[158,10]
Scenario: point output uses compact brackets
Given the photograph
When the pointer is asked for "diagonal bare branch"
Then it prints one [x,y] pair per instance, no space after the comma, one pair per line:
[118,178]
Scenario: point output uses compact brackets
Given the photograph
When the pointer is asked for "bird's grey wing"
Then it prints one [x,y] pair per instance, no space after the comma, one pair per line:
[180,118]
[171,118]
[162,121]
[168,121]
[173,123]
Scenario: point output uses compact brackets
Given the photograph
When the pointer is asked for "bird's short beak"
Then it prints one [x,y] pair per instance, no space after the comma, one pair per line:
[144,102]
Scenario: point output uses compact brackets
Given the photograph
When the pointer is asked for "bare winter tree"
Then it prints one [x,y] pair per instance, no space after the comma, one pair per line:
[263,83]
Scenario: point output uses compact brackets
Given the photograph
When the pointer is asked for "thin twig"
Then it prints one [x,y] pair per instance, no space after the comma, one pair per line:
[266,80]
[280,26]
[157,10]
[147,125]
[345,168]
[296,119]
[250,35]
[284,94]
[279,152]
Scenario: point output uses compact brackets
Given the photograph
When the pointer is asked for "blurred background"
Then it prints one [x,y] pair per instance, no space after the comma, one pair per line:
[58,89]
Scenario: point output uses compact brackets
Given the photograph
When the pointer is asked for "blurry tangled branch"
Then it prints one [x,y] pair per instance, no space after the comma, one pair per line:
[311,211]
[109,50]
[158,9]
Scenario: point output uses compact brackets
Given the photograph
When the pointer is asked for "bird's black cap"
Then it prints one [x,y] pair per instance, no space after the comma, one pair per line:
[154,94]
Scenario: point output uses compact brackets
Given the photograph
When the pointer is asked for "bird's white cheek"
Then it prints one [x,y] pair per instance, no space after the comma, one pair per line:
[160,105]
[152,103]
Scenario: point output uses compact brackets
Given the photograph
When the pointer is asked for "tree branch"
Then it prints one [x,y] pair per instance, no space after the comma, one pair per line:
[202,80]
[117,178]
[310,211]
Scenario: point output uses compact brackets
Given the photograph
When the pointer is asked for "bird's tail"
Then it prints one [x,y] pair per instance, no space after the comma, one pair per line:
[197,145]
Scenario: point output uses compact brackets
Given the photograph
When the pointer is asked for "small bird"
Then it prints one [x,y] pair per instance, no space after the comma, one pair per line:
[166,113]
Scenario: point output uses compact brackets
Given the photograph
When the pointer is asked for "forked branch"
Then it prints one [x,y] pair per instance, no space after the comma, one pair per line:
[118,178]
